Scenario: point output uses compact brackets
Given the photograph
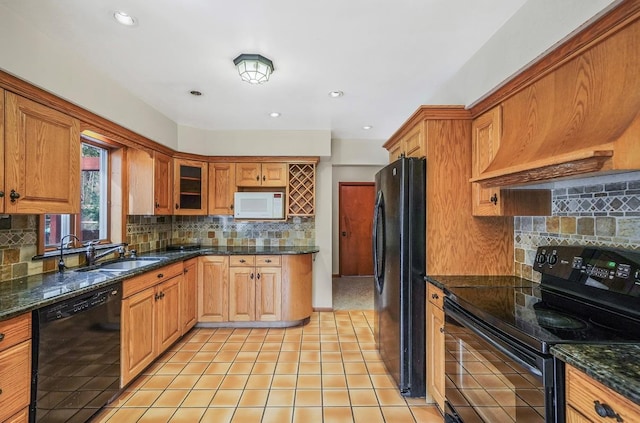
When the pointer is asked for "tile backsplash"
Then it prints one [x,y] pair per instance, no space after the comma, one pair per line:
[19,237]
[606,214]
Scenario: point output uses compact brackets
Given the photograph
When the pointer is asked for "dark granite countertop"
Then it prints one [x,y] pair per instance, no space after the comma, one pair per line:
[615,366]
[470,281]
[28,293]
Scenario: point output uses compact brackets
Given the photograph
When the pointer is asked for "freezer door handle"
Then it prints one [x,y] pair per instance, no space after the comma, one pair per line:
[378,242]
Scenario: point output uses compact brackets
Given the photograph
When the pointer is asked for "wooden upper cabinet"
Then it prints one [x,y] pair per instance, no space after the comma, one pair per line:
[486,133]
[413,142]
[42,158]
[261,174]
[486,140]
[222,185]
[2,188]
[190,187]
[150,196]
[163,183]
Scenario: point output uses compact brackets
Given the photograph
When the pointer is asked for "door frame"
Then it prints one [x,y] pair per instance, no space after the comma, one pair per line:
[340,185]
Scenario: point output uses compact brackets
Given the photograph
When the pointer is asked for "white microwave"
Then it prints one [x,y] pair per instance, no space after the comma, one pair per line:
[258,205]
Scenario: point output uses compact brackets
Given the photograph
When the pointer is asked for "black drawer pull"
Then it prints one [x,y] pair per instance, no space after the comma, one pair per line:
[267,261]
[243,261]
[605,410]
[160,275]
[435,296]
[251,276]
[1,336]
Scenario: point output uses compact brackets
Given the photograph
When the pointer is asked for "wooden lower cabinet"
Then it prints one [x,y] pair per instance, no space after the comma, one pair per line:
[150,324]
[255,288]
[435,345]
[213,289]
[188,296]
[15,367]
[582,392]
[21,416]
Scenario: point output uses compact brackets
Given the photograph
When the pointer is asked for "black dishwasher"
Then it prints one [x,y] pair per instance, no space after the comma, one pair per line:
[76,356]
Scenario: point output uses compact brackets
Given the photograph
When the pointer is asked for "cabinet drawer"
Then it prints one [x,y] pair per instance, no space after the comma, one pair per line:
[21,416]
[583,391]
[151,278]
[14,331]
[242,261]
[268,260]
[15,378]
[435,296]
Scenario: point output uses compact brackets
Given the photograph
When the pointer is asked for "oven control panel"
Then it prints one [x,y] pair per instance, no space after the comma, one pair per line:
[607,268]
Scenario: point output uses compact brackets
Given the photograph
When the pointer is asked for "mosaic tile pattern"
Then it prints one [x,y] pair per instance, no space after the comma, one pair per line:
[606,215]
[148,233]
[225,231]
[18,243]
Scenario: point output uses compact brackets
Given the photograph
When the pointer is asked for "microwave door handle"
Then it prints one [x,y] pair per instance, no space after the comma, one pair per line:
[500,345]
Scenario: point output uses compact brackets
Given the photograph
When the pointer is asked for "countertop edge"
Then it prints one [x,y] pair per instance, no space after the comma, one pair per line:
[95,280]
[600,362]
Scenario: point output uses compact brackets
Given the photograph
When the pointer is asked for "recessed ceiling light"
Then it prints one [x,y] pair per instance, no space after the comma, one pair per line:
[195,92]
[124,18]
[367,127]
[336,94]
[274,114]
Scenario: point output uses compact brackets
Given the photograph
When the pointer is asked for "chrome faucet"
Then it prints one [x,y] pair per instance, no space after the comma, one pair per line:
[61,265]
[92,257]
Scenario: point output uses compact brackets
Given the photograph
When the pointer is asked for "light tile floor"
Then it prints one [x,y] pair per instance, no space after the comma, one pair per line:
[326,371]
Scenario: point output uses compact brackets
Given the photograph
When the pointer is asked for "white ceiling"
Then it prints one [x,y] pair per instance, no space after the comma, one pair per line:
[387,56]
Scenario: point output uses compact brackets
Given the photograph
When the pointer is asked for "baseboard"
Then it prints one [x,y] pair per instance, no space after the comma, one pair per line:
[335,275]
[322,309]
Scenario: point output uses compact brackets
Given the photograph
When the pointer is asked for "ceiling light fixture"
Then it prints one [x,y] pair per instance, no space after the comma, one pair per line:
[336,94]
[274,114]
[124,18]
[254,68]
[367,127]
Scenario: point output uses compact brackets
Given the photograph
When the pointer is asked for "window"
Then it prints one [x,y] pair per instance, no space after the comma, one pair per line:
[93,221]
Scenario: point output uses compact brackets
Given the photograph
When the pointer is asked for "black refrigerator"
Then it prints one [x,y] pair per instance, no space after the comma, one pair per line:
[399,267]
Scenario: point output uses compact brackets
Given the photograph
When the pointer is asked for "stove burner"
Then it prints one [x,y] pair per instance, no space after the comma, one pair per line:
[551,319]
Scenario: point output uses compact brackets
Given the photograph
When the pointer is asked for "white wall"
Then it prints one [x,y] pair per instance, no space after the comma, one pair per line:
[534,29]
[345,173]
[358,152]
[31,56]
[254,143]
[322,288]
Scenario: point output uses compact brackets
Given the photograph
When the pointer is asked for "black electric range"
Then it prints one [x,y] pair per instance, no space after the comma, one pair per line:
[587,295]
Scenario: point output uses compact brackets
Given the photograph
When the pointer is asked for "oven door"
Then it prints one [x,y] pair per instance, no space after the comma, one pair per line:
[492,378]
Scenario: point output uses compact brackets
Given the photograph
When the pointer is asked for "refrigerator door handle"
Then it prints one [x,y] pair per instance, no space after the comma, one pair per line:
[378,242]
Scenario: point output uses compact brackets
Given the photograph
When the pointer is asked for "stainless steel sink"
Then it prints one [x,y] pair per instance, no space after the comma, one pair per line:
[122,265]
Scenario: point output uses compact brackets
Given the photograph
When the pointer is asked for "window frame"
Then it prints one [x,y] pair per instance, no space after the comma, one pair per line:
[74,219]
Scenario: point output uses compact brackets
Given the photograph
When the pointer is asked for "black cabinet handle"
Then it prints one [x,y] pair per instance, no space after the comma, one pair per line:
[1,336]
[177,206]
[251,276]
[257,177]
[494,199]
[157,205]
[157,296]
[435,296]
[605,410]
[258,276]
[441,330]
[14,195]
[267,261]
[1,194]
[343,233]
[231,207]
[264,178]
[160,275]
[243,261]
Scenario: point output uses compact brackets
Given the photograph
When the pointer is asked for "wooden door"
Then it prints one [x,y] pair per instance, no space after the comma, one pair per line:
[168,313]
[188,294]
[356,225]
[268,294]
[42,158]
[274,174]
[248,174]
[138,333]
[190,187]
[242,294]
[222,186]
[163,183]
[486,135]
[213,289]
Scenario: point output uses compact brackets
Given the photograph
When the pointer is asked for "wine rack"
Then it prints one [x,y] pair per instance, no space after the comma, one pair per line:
[301,198]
